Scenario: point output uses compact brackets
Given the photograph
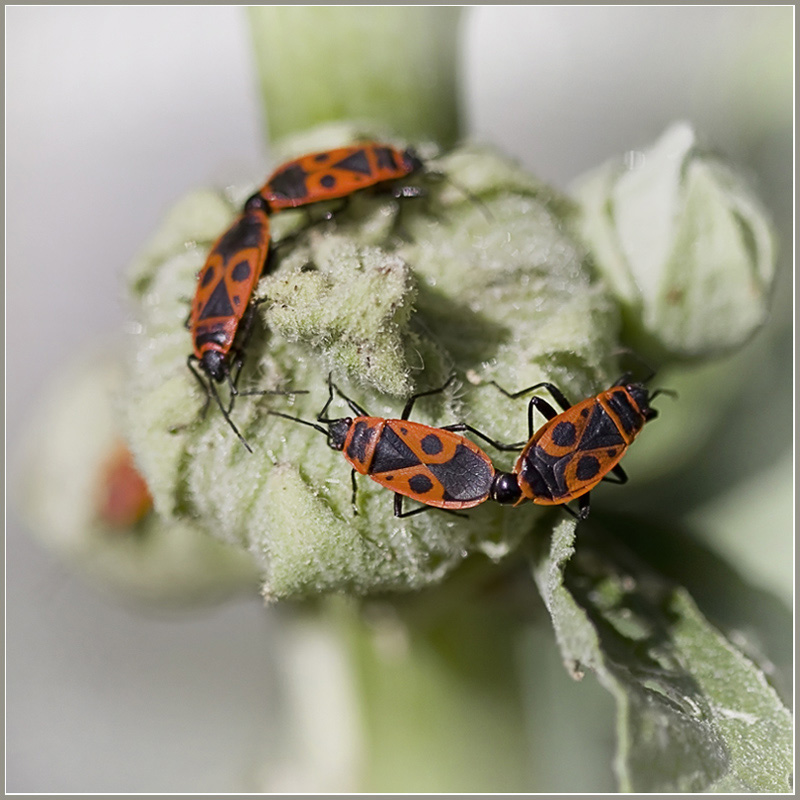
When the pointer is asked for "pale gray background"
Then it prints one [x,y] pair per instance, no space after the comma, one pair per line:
[112,114]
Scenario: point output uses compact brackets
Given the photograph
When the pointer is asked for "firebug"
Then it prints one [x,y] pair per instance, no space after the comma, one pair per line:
[223,311]
[575,449]
[435,466]
[337,173]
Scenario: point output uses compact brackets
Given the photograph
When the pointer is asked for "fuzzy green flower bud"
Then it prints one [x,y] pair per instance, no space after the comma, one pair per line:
[479,278]
[684,244]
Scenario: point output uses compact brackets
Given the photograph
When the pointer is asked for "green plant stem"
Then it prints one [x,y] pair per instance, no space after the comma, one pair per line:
[394,66]
[440,692]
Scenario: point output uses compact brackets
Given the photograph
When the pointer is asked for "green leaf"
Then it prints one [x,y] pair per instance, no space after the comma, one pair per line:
[693,713]
[754,619]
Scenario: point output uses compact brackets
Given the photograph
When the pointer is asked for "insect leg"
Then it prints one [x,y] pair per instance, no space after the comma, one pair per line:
[233,380]
[620,475]
[414,397]
[329,214]
[245,332]
[210,389]
[321,416]
[398,508]
[555,392]
[583,508]
[189,363]
[353,405]
[545,409]
[569,511]
[400,514]
[537,402]
[462,426]
[355,490]
[408,190]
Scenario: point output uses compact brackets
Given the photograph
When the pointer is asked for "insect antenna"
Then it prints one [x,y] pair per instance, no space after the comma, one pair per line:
[466,192]
[210,390]
[301,421]
[627,351]
[669,392]
[210,387]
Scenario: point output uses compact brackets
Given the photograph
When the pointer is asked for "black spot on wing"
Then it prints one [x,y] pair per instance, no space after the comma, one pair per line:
[241,272]
[431,444]
[392,453]
[564,434]
[466,476]
[219,304]
[420,484]
[588,467]
[327,181]
[601,431]
[355,162]
[289,183]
